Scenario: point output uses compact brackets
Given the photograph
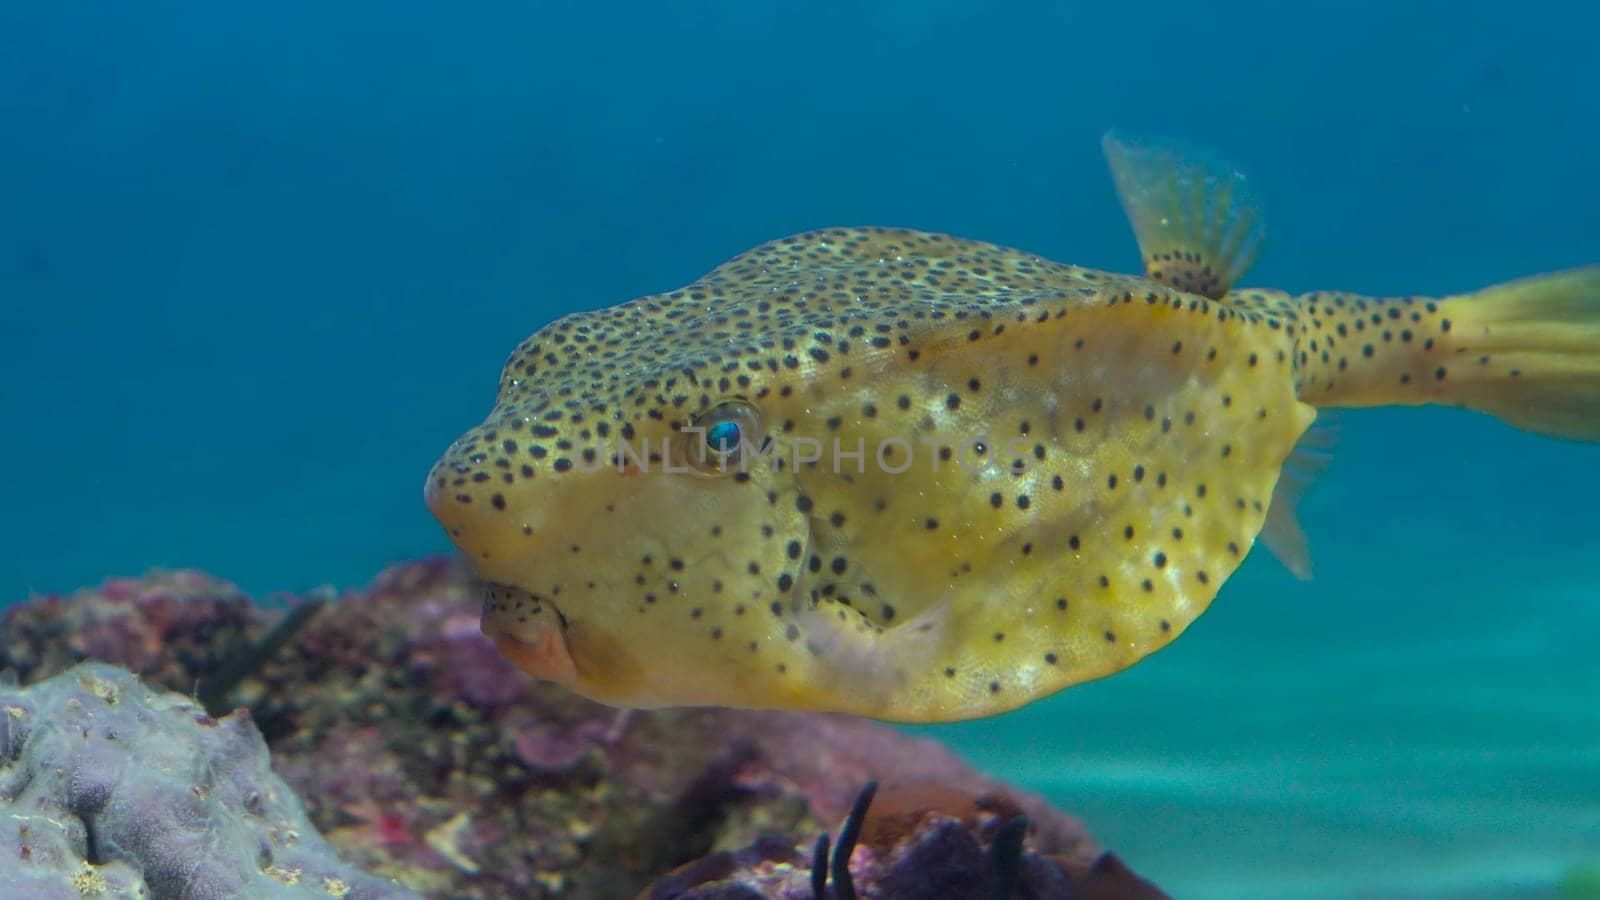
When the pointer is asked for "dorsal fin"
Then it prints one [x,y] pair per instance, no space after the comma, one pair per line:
[1197,227]
[1282,533]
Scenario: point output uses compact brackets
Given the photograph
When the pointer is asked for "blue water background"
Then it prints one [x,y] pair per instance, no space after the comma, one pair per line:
[260,263]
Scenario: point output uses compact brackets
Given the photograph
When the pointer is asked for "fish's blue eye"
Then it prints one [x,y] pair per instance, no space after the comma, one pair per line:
[723,437]
[726,429]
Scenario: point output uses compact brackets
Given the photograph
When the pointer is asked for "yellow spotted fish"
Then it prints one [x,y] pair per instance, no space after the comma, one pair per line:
[920,478]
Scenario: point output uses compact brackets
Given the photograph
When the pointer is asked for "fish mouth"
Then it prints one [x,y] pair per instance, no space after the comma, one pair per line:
[530,631]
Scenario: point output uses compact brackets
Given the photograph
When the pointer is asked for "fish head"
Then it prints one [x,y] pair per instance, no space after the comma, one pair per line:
[627,550]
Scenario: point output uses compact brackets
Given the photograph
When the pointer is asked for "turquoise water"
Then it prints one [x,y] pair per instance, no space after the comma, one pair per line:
[258,267]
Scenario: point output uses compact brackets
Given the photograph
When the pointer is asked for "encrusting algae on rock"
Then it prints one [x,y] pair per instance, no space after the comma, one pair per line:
[921,478]
[110,788]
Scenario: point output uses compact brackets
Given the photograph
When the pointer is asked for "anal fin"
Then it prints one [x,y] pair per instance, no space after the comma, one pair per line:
[1282,534]
[1197,227]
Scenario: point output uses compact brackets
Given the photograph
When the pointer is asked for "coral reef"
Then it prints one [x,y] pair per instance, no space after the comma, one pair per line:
[425,757]
[110,788]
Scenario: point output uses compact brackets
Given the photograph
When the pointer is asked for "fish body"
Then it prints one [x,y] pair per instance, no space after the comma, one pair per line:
[921,478]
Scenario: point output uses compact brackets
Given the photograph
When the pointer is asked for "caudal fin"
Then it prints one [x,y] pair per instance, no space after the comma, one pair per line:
[1527,352]
[1531,350]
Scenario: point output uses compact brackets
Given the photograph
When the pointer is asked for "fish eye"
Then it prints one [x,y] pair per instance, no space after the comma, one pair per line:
[725,430]
[724,436]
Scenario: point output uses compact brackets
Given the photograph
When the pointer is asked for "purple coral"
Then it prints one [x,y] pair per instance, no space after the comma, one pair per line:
[113,788]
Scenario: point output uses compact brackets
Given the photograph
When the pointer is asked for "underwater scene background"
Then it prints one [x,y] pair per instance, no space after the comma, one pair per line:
[260,264]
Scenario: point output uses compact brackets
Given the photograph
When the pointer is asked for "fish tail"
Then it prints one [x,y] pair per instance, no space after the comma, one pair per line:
[1526,352]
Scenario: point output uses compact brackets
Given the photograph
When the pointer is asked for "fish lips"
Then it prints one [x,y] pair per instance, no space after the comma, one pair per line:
[536,641]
